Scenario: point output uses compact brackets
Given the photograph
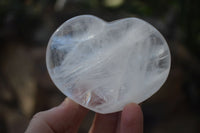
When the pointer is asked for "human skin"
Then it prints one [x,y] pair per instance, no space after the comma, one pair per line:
[67,117]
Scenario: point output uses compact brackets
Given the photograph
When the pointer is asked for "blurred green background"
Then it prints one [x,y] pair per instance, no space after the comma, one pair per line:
[25,86]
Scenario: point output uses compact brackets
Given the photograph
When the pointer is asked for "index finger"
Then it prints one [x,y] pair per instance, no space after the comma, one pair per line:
[66,117]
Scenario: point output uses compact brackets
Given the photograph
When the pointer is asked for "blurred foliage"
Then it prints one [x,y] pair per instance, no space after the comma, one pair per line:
[20,18]
[26,26]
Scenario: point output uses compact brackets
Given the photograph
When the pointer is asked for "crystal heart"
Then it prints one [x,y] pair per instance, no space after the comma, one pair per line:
[105,65]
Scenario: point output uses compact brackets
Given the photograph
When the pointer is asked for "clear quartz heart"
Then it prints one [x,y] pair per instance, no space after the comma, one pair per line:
[105,65]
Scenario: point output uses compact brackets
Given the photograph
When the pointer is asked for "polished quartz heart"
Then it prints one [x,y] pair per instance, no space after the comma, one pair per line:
[105,65]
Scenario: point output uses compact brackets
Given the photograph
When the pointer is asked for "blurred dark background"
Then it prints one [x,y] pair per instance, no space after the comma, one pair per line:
[25,86]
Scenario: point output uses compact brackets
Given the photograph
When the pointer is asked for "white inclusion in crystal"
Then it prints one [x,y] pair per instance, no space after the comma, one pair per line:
[104,66]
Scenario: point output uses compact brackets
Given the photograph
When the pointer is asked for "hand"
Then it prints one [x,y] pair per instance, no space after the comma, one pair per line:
[67,117]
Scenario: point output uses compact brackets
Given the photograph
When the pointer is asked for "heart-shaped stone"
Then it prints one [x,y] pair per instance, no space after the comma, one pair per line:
[104,66]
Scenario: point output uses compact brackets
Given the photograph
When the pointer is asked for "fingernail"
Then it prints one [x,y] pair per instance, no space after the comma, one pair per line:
[65,101]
